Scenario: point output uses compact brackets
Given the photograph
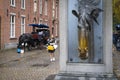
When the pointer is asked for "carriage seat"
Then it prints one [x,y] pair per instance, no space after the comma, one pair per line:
[35,36]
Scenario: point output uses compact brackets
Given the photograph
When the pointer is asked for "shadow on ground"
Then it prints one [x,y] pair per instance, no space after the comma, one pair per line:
[51,77]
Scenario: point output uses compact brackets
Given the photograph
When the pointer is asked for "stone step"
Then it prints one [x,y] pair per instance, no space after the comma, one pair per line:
[84,77]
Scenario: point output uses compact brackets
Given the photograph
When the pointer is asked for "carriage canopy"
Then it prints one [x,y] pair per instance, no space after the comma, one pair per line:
[39,25]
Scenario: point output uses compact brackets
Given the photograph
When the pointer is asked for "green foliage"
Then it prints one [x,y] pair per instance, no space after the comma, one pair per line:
[116,13]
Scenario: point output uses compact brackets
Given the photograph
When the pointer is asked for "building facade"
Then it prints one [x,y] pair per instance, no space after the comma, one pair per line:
[16,15]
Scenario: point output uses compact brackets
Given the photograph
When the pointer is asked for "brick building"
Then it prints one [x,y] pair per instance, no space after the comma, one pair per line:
[15,15]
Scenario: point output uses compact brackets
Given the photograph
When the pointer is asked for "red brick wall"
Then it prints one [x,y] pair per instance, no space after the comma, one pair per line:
[6,9]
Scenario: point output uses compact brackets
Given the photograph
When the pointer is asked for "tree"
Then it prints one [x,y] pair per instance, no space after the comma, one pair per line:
[116,12]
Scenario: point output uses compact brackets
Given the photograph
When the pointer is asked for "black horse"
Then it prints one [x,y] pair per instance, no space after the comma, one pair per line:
[26,40]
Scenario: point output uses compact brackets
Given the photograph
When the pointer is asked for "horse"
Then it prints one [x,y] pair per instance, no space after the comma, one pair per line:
[26,40]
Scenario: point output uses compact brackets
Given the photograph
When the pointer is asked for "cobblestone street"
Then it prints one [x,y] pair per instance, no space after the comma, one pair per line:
[35,65]
[116,63]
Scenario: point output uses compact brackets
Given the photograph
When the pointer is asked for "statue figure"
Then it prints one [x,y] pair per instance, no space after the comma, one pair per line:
[87,13]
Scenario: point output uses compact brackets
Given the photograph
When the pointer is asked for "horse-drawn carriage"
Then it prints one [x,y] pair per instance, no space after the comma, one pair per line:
[36,38]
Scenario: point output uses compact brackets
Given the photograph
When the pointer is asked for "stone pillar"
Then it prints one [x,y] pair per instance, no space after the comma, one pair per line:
[82,70]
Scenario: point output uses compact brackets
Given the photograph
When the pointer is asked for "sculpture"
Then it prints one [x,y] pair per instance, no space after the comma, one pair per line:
[88,12]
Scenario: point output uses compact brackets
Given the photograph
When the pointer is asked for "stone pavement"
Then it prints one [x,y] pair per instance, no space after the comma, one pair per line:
[116,63]
[35,65]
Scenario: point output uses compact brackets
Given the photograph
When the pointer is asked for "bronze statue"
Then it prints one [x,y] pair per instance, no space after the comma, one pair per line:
[87,13]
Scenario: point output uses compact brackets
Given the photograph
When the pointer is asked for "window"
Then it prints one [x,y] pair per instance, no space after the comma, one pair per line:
[23,4]
[53,4]
[40,6]
[35,6]
[53,12]
[12,3]
[40,21]
[56,12]
[22,24]
[46,7]
[12,26]
[46,22]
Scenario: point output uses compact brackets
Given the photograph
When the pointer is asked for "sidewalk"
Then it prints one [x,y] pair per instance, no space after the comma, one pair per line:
[34,65]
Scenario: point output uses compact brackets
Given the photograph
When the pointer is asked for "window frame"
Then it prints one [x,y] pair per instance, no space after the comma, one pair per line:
[40,6]
[12,25]
[46,7]
[22,4]
[22,24]
[35,6]
[12,3]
